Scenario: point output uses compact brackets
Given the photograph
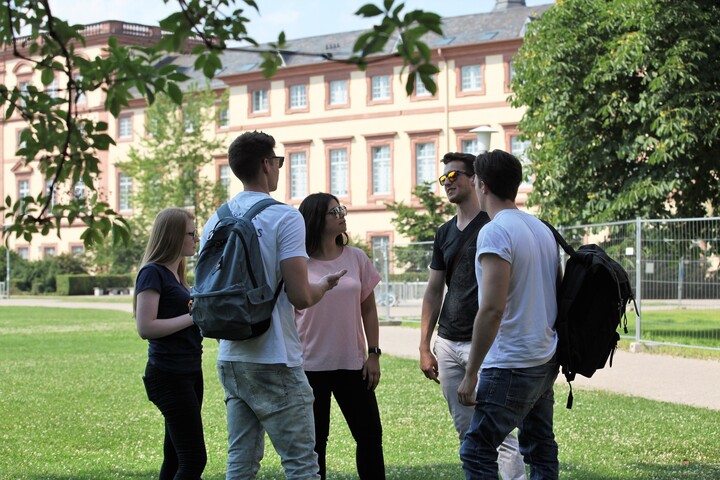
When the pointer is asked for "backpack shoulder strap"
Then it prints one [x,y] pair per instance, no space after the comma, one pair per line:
[251,213]
[259,207]
[560,240]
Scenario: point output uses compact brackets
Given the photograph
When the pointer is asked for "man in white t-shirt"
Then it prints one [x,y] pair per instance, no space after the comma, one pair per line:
[514,339]
[265,386]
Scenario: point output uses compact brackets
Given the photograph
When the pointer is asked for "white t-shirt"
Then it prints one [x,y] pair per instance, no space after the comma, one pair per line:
[281,233]
[526,337]
[332,331]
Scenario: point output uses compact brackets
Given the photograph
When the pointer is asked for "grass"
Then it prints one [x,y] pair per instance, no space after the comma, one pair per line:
[73,407]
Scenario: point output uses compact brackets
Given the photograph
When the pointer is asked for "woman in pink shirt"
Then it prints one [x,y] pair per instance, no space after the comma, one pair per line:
[333,332]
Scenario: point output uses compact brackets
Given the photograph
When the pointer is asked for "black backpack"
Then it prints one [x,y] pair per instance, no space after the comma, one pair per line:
[592,300]
[231,298]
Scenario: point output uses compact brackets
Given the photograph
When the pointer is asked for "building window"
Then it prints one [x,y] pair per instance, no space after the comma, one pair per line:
[380,245]
[189,123]
[338,92]
[23,88]
[52,89]
[380,89]
[298,97]
[50,192]
[259,101]
[339,172]
[77,250]
[124,192]
[425,161]
[471,78]
[23,252]
[381,180]
[519,148]
[223,118]
[23,188]
[80,97]
[298,175]
[48,252]
[125,127]
[225,178]
[420,89]
[20,142]
[470,146]
[79,190]
[23,191]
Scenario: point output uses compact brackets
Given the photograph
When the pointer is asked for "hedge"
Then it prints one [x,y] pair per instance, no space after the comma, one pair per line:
[84,284]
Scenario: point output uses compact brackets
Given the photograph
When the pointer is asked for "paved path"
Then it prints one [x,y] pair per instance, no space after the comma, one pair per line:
[656,377]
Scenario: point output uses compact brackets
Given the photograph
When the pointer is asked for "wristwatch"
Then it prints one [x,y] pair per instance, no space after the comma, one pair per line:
[375,350]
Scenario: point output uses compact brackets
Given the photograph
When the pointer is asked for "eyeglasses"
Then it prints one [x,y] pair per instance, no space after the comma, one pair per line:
[451,176]
[339,211]
[280,160]
[193,235]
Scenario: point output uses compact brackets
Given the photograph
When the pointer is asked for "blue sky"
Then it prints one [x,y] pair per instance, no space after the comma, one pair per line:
[298,18]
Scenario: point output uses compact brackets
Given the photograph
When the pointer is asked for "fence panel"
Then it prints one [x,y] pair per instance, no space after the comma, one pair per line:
[674,266]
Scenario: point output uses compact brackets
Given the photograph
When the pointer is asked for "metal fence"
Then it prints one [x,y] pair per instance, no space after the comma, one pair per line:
[673,264]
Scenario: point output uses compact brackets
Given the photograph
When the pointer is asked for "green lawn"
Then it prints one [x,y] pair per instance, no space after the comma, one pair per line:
[73,407]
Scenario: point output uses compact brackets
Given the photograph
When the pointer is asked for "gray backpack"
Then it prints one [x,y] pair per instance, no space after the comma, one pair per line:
[231,298]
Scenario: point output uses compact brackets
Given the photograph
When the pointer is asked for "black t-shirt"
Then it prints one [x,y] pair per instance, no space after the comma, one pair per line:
[180,352]
[461,302]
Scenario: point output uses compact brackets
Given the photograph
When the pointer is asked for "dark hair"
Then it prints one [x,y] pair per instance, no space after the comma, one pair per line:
[246,153]
[314,210]
[501,172]
[466,158]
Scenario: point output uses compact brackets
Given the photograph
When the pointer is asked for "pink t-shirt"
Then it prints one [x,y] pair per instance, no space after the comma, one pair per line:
[331,331]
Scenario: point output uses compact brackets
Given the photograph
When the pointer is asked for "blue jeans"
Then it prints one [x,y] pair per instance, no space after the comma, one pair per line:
[509,398]
[452,357]
[179,398]
[273,398]
[360,408]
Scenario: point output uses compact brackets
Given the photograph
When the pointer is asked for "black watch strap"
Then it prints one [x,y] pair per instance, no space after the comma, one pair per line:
[375,350]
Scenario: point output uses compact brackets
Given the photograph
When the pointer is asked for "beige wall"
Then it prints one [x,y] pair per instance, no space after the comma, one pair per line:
[443,119]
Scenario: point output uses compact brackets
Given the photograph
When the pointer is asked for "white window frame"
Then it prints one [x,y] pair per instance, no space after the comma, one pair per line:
[338,92]
[223,117]
[124,192]
[224,173]
[380,87]
[260,102]
[381,170]
[125,127]
[339,165]
[298,174]
[471,78]
[298,96]
[420,89]
[425,161]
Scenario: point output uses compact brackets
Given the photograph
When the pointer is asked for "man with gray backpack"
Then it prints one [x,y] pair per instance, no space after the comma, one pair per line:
[265,387]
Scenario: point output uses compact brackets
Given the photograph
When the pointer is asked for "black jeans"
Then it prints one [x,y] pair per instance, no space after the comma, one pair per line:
[179,398]
[360,408]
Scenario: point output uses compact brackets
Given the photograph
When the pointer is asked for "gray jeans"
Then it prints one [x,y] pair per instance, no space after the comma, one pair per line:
[452,360]
[273,398]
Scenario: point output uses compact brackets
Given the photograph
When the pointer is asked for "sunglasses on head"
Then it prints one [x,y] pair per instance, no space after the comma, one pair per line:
[340,210]
[451,176]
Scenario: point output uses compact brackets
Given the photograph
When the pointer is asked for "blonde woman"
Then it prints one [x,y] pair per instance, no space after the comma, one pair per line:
[173,375]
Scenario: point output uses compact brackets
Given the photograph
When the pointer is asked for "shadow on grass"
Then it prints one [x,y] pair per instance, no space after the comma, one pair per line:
[92,475]
[686,471]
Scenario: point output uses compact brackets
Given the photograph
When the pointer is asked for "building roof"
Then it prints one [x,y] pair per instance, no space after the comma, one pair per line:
[507,23]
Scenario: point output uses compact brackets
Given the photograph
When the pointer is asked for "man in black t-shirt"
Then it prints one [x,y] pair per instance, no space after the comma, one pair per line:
[453,265]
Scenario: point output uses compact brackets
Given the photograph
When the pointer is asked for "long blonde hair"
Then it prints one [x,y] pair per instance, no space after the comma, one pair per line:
[166,242]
